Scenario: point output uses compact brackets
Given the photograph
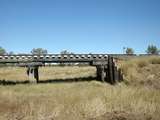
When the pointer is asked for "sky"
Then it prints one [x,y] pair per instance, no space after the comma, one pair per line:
[79,26]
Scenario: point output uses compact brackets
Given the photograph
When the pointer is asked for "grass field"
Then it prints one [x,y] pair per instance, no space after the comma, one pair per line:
[137,98]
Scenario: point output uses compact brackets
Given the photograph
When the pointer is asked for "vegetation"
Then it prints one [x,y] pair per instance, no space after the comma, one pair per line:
[142,71]
[2,51]
[137,98]
[72,93]
[47,73]
[11,53]
[66,52]
[78,101]
[129,51]
[39,51]
[152,49]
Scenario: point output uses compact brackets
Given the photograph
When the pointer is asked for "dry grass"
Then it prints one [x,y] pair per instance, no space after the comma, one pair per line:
[66,72]
[142,71]
[85,100]
[47,73]
[78,101]
[13,73]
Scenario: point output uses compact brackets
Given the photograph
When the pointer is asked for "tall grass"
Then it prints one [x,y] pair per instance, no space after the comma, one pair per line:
[144,70]
[138,100]
[77,101]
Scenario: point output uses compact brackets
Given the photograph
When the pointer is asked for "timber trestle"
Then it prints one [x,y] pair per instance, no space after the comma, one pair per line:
[109,72]
[106,65]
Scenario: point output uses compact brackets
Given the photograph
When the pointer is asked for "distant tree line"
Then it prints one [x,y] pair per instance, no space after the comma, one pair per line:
[151,49]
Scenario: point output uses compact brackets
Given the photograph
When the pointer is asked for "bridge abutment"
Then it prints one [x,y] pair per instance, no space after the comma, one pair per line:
[109,73]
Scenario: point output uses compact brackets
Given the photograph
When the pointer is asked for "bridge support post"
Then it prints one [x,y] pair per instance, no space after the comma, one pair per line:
[36,74]
[33,73]
[101,74]
[110,70]
[114,74]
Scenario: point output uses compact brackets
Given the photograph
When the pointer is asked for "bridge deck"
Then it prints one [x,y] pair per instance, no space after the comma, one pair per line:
[48,58]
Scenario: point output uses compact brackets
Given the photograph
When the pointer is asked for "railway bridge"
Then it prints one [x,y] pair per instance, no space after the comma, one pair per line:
[107,69]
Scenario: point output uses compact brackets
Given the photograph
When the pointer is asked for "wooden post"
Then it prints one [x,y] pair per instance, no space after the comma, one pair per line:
[101,73]
[115,73]
[32,72]
[36,75]
[110,70]
[98,72]
[107,74]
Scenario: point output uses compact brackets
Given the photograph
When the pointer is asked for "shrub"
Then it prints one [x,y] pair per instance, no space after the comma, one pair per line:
[154,60]
[142,63]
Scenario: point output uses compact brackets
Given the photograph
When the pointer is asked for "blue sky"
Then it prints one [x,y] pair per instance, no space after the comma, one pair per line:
[80,26]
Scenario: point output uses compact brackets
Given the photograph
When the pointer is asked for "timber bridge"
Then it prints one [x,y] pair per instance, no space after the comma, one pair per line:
[107,69]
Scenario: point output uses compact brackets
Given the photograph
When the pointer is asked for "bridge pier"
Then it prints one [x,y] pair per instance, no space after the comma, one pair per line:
[33,74]
[109,72]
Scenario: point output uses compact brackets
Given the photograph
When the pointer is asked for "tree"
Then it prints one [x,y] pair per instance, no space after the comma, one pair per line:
[66,52]
[2,51]
[11,53]
[152,49]
[129,51]
[39,51]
